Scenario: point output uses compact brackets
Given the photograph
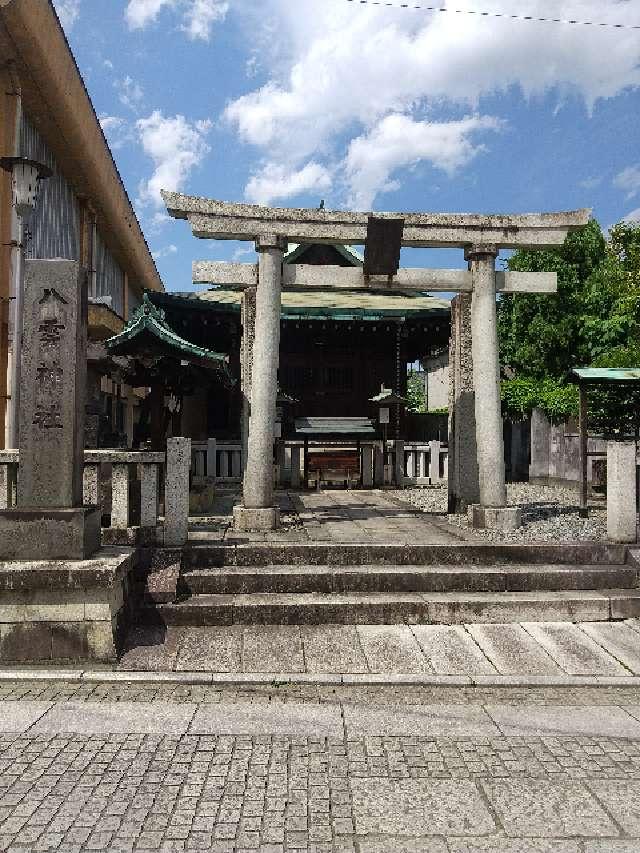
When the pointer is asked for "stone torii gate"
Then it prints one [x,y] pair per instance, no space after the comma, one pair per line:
[480,236]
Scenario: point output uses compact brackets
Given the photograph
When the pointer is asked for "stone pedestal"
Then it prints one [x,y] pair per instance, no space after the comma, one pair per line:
[63,610]
[51,534]
[503,518]
[621,491]
[256,520]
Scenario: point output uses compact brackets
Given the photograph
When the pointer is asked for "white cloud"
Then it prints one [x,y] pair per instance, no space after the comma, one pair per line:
[198,16]
[176,146]
[68,11]
[633,216]
[116,130]
[164,252]
[334,82]
[130,93]
[275,181]
[398,141]
[629,181]
[139,13]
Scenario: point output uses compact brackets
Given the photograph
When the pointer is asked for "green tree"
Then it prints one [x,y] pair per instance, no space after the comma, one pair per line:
[592,320]
[415,392]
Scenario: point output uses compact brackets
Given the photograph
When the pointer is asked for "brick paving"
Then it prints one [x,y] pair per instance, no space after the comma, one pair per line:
[497,793]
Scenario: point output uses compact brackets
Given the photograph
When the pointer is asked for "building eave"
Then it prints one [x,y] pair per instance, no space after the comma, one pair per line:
[56,100]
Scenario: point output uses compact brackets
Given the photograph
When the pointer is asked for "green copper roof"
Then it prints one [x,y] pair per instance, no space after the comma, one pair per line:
[149,318]
[607,374]
[325,304]
[348,253]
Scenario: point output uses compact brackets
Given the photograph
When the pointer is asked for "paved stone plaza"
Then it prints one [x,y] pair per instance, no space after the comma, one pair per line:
[119,766]
[334,516]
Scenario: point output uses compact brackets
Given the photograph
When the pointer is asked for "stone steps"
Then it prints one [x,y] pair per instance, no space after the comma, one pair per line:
[406,607]
[236,580]
[463,554]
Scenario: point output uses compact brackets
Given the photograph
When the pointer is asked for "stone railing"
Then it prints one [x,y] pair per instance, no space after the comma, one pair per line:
[425,463]
[216,461]
[144,496]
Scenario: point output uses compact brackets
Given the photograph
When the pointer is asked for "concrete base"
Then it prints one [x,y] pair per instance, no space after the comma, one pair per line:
[49,534]
[57,610]
[495,517]
[256,520]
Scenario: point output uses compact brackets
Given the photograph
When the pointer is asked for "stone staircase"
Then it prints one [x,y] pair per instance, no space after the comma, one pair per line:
[388,584]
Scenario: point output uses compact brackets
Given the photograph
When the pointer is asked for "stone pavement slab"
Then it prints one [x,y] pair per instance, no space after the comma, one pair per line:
[425,721]
[404,845]
[20,716]
[512,650]
[277,718]
[551,721]
[617,638]
[419,807]
[570,647]
[201,648]
[512,845]
[392,648]
[621,798]
[539,809]
[333,648]
[450,650]
[272,648]
[611,845]
[150,649]
[99,718]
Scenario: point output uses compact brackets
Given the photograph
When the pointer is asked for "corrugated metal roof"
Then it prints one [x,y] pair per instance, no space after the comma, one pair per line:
[607,374]
[329,303]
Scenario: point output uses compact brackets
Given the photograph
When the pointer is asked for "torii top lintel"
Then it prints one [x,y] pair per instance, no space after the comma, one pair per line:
[219,220]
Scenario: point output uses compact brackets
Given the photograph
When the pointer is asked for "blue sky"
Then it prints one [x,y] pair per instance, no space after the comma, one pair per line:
[289,101]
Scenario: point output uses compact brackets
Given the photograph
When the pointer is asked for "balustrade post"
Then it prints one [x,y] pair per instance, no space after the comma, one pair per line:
[295,466]
[399,464]
[367,466]
[378,466]
[120,495]
[91,484]
[176,500]
[212,460]
[148,495]
[434,461]
[7,484]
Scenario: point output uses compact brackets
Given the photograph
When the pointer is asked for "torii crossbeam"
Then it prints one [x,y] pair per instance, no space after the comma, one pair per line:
[481,236]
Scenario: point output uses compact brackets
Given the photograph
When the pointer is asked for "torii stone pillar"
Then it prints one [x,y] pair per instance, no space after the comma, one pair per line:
[486,376]
[257,511]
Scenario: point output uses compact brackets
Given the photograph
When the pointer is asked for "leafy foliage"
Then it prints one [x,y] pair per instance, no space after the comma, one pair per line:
[594,319]
[415,392]
[558,400]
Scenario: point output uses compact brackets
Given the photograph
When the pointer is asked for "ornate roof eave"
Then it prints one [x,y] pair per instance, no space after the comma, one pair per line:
[148,318]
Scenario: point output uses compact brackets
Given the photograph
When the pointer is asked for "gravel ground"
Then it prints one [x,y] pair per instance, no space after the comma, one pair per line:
[549,514]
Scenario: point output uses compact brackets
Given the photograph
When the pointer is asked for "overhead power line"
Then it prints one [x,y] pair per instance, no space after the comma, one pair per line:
[506,15]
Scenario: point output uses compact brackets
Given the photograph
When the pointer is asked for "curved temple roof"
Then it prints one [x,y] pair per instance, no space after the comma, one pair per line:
[150,319]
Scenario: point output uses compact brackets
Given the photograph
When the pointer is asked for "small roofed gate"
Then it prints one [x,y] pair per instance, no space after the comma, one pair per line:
[272,229]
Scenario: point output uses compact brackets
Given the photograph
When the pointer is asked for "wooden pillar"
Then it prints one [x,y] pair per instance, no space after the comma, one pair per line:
[157,417]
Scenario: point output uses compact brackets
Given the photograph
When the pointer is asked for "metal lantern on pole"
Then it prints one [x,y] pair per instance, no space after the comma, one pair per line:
[26,176]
